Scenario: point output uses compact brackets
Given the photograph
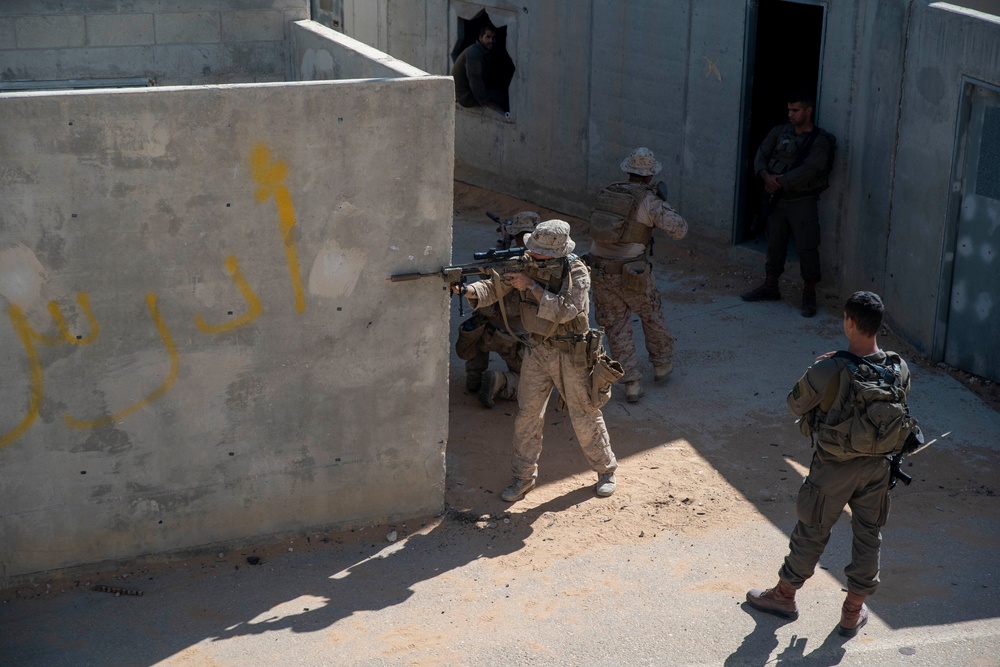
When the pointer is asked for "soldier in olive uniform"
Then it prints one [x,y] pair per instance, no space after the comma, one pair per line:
[794,162]
[554,307]
[837,476]
[621,228]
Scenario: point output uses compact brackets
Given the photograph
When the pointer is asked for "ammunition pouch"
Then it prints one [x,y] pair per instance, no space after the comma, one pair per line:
[635,277]
[606,372]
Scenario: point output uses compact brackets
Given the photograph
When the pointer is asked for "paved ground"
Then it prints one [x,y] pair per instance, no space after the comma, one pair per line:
[655,575]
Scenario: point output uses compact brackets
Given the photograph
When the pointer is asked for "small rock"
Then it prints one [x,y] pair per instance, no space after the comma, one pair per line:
[392,536]
[253,560]
[491,524]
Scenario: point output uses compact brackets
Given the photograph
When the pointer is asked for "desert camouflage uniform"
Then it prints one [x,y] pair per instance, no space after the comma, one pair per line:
[549,363]
[614,303]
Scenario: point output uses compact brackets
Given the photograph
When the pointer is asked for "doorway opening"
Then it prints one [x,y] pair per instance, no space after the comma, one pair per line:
[784,53]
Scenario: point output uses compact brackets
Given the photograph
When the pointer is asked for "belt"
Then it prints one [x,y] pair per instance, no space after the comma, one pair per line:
[611,266]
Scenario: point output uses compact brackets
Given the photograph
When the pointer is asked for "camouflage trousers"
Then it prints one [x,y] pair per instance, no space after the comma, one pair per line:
[863,485]
[613,308]
[511,355]
[543,368]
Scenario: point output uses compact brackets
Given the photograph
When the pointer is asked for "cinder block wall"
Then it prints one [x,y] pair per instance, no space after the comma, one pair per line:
[177,43]
[199,342]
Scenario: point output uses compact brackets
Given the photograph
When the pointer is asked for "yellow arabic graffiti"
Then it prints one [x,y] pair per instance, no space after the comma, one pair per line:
[270,176]
[28,337]
[253,312]
[168,343]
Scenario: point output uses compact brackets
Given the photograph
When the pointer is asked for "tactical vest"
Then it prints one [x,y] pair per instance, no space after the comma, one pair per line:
[613,219]
[557,280]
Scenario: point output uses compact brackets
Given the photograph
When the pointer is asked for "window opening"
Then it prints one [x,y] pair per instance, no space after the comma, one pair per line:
[497,70]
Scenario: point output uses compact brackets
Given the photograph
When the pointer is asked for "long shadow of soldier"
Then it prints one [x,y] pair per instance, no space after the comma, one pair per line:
[384,577]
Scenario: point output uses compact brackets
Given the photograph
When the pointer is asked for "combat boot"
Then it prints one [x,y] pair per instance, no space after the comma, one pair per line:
[809,300]
[633,391]
[518,489]
[853,615]
[779,601]
[769,291]
[605,484]
[661,371]
[493,382]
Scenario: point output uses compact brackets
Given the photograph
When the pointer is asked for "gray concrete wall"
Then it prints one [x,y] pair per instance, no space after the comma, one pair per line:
[944,47]
[596,79]
[321,53]
[232,361]
[175,43]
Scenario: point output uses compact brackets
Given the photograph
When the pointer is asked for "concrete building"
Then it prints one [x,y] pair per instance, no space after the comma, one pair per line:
[201,204]
[911,89]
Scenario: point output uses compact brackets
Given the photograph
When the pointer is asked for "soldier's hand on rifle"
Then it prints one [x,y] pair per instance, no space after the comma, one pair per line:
[462,290]
[519,280]
[771,183]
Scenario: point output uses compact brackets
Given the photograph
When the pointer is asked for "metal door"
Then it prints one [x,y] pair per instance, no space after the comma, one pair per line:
[972,340]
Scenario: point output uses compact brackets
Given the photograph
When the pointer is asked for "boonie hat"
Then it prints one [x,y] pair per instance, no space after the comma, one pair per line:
[550,238]
[641,162]
[525,221]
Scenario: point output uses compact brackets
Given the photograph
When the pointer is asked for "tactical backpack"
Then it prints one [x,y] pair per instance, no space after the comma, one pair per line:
[613,212]
[873,419]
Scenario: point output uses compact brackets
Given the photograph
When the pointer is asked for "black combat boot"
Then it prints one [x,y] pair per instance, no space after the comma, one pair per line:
[809,300]
[767,292]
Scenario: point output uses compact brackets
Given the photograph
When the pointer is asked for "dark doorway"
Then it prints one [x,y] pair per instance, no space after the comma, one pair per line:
[501,74]
[784,51]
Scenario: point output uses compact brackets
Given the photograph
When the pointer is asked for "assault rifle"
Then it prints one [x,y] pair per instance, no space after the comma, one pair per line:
[914,443]
[513,260]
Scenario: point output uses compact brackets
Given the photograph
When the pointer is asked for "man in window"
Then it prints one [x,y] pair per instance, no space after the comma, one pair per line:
[474,73]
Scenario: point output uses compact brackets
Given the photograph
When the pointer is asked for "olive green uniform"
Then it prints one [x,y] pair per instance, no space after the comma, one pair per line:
[796,213]
[837,478]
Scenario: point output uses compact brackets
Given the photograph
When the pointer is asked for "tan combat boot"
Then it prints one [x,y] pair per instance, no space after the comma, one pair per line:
[661,371]
[779,600]
[633,391]
[492,383]
[853,615]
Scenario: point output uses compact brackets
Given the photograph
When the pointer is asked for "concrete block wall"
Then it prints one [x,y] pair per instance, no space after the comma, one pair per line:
[199,341]
[177,43]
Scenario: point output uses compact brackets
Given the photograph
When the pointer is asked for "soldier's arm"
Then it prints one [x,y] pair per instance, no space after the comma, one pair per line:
[766,150]
[572,300]
[483,293]
[657,213]
[811,167]
[812,387]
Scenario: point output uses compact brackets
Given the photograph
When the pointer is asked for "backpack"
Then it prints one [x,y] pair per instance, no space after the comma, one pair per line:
[874,419]
[613,212]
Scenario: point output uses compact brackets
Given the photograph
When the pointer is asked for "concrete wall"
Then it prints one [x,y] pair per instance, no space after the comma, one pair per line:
[176,43]
[596,79]
[945,46]
[199,341]
[321,53]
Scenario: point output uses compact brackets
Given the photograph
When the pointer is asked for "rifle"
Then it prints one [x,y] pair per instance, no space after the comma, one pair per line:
[513,260]
[914,443]
[503,227]
[768,200]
